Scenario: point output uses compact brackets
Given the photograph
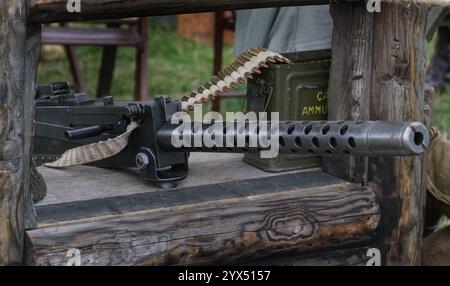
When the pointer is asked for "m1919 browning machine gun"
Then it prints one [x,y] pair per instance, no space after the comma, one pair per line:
[141,134]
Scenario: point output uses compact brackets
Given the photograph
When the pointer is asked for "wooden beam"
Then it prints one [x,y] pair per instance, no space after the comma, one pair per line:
[19,51]
[349,84]
[342,257]
[399,59]
[46,11]
[383,79]
[227,230]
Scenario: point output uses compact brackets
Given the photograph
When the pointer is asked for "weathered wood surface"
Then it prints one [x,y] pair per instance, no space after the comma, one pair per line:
[399,59]
[436,16]
[154,198]
[31,57]
[429,94]
[227,222]
[358,256]
[83,183]
[19,50]
[45,11]
[349,84]
[392,84]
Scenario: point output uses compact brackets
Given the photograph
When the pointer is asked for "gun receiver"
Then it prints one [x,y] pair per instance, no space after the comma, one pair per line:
[76,121]
[86,132]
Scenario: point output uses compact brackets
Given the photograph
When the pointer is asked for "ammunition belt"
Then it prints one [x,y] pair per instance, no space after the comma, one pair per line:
[243,68]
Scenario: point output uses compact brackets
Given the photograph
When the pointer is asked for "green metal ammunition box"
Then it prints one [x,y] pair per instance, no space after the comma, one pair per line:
[298,92]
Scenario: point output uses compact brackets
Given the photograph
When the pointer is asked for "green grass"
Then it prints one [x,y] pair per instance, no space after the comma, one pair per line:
[441,108]
[176,67]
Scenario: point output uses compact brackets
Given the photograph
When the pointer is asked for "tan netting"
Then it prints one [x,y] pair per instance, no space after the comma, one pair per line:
[94,152]
[38,186]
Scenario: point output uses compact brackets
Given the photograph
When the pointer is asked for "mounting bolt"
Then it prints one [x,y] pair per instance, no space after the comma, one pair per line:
[142,160]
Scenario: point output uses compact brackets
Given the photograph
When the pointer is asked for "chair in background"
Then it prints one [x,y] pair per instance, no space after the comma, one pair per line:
[134,34]
[223,21]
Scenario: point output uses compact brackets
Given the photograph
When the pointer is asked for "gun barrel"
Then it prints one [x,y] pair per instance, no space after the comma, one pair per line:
[366,138]
[85,132]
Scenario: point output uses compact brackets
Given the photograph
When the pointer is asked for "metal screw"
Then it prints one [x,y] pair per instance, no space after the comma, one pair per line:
[142,160]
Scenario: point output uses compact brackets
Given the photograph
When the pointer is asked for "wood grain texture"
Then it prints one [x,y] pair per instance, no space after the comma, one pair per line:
[157,198]
[342,257]
[45,11]
[83,183]
[389,60]
[429,94]
[349,84]
[18,55]
[218,232]
[399,58]
[32,54]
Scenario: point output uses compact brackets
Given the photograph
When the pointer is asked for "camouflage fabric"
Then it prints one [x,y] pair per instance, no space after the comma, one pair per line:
[436,248]
[38,186]
[438,176]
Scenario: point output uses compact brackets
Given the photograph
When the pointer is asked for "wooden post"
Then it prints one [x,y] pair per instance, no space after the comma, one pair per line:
[141,74]
[399,59]
[382,78]
[19,51]
[349,86]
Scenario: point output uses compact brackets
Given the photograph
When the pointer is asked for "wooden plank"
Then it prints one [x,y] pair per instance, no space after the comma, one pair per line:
[19,50]
[220,231]
[342,257]
[141,70]
[158,198]
[33,52]
[82,183]
[46,11]
[399,59]
[91,36]
[436,15]
[350,77]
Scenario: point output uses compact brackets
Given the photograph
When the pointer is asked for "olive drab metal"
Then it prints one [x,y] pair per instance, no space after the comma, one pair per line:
[296,91]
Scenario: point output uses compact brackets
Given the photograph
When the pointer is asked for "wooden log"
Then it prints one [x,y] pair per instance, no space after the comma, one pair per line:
[19,50]
[359,256]
[46,11]
[399,59]
[226,230]
[350,77]
[391,82]
[429,94]
[32,54]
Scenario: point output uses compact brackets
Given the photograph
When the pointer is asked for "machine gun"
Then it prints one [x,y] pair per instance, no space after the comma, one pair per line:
[65,120]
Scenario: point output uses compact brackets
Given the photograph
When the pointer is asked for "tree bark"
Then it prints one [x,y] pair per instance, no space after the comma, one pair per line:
[378,74]
[399,59]
[227,230]
[46,11]
[19,51]
[349,86]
